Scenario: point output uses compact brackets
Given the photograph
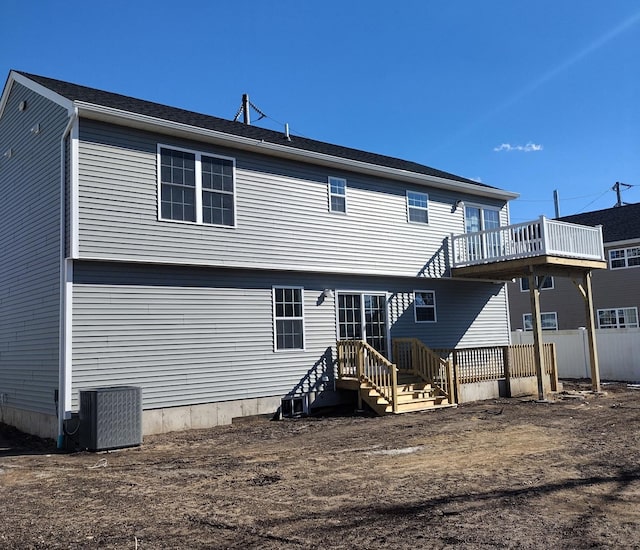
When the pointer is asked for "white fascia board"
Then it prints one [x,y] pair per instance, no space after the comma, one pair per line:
[623,243]
[35,87]
[135,120]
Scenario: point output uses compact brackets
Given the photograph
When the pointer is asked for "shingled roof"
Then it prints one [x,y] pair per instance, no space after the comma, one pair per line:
[620,223]
[75,92]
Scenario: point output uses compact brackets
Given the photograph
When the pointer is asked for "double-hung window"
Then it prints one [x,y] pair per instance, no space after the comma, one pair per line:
[337,195]
[620,317]
[288,313]
[417,207]
[624,257]
[196,187]
[549,321]
[424,306]
[546,280]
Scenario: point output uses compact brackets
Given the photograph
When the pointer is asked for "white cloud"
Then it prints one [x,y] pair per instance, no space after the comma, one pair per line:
[526,148]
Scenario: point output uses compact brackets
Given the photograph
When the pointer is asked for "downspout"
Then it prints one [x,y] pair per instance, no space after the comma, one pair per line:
[66,277]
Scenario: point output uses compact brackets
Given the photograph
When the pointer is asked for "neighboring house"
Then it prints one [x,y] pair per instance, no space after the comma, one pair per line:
[616,290]
[212,263]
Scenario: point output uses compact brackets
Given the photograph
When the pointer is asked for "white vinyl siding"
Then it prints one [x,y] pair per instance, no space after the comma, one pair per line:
[282,218]
[621,317]
[337,195]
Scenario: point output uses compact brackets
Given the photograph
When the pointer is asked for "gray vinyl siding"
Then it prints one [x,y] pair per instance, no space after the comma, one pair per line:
[612,288]
[30,244]
[282,214]
[198,335]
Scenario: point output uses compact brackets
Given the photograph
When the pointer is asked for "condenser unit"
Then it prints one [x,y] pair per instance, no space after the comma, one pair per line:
[110,418]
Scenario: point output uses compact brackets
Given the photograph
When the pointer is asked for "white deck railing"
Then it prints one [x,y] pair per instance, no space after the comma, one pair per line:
[541,237]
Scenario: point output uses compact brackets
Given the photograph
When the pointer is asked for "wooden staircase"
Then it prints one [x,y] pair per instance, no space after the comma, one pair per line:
[387,390]
[414,394]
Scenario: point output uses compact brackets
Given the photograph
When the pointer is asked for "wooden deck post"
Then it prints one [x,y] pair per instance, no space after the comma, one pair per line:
[536,321]
[506,355]
[394,387]
[591,331]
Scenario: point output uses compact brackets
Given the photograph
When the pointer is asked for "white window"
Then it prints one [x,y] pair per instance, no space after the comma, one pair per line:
[621,317]
[417,207]
[337,195]
[624,257]
[195,187]
[288,314]
[547,283]
[549,321]
[424,306]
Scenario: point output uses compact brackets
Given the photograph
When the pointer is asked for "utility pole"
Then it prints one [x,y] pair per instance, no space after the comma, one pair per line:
[616,188]
[556,202]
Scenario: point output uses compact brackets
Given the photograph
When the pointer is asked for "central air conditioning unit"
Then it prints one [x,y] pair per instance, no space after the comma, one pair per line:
[110,418]
[293,406]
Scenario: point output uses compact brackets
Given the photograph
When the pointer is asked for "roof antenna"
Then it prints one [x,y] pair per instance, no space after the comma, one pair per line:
[245,110]
[286,131]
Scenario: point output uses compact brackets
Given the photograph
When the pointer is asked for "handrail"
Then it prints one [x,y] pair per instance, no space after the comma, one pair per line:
[523,240]
[357,359]
[413,355]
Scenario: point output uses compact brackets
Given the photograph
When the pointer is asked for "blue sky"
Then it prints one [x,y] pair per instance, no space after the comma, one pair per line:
[526,96]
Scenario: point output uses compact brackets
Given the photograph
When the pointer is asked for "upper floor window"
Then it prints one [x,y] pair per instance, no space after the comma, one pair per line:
[288,314]
[621,317]
[624,257]
[549,321]
[417,207]
[337,194]
[547,282]
[424,306]
[196,187]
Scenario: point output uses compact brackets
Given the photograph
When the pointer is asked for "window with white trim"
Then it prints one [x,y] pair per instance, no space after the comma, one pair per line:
[548,320]
[619,317]
[288,313]
[196,187]
[417,207]
[424,306]
[547,283]
[624,257]
[337,195]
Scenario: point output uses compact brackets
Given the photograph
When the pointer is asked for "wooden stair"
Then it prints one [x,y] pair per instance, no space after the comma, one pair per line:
[414,394]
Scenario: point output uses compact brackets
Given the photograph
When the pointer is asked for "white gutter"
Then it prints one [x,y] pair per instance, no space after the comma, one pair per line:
[66,292]
[145,122]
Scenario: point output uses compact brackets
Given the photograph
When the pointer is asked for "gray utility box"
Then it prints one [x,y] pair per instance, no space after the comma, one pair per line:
[110,418]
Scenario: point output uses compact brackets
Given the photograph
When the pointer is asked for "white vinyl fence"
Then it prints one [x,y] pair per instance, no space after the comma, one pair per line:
[618,352]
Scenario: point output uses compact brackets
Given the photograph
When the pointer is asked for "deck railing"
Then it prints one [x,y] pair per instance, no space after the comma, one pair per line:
[472,365]
[523,240]
[411,355]
[357,359]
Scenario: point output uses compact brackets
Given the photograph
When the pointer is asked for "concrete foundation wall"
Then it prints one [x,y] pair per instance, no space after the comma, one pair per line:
[34,423]
[528,385]
[478,391]
[173,419]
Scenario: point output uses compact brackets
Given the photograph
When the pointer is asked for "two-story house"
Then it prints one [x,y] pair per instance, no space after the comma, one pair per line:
[216,265]
[616,290]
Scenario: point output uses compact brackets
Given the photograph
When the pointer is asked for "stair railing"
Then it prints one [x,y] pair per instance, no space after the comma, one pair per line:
[413,356]
[357,359]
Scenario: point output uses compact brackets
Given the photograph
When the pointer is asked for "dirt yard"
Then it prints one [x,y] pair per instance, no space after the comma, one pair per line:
[511,473]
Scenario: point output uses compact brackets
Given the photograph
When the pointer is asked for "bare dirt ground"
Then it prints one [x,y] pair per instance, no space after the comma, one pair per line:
[512,473]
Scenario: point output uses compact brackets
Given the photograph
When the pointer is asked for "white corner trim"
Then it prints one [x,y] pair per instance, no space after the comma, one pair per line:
[74,192]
